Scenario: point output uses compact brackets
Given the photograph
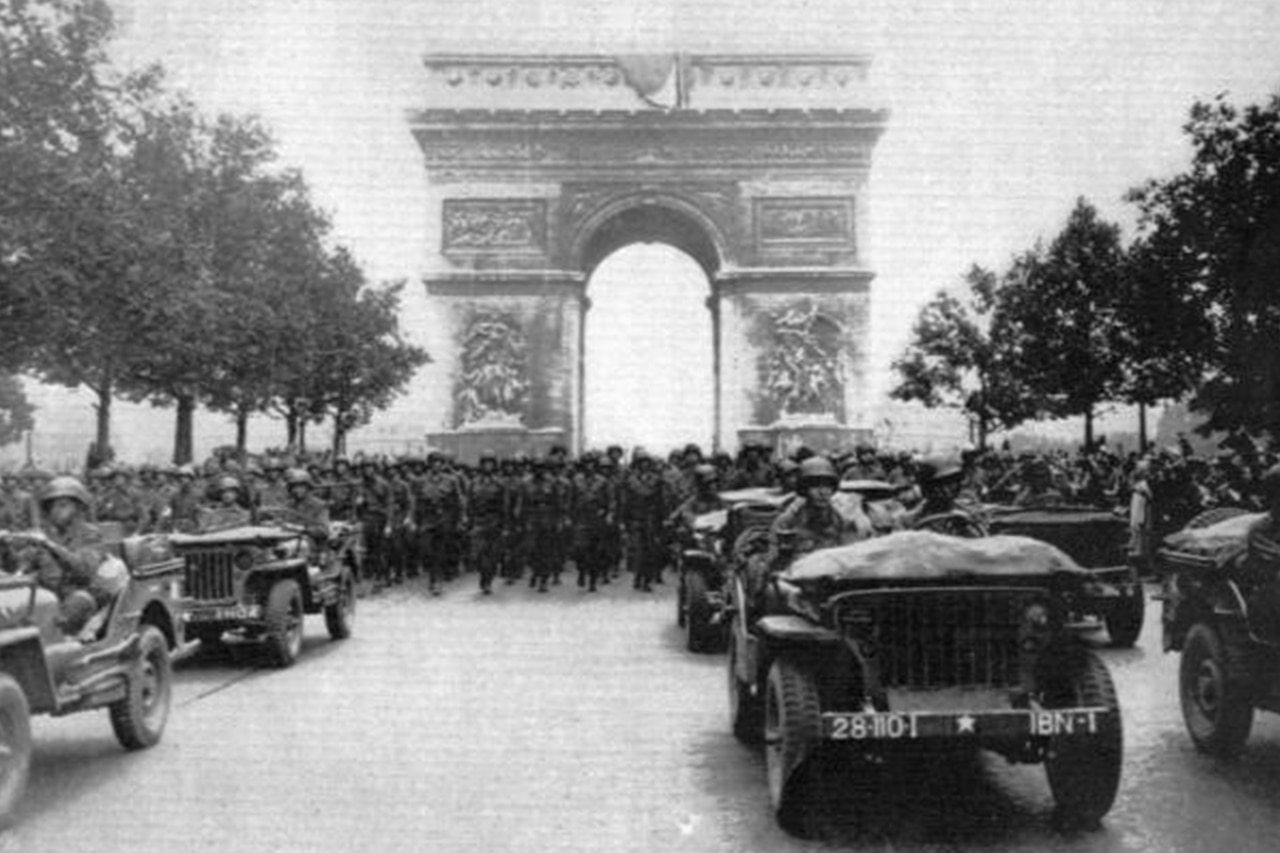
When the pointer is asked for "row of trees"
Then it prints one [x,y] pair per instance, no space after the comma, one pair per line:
[1189,308]
[149,251]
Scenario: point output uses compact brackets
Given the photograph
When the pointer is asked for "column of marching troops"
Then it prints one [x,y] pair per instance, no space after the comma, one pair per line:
[505,519]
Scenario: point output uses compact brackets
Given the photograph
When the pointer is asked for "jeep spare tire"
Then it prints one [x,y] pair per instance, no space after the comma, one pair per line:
[284,622]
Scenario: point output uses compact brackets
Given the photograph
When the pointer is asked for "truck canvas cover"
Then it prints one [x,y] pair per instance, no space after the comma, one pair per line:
[924,555]
[1221,540]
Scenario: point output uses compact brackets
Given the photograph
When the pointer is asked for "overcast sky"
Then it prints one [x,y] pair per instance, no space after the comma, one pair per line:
[1002,112]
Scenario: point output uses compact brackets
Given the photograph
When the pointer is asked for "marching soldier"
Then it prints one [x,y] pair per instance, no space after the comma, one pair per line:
[593,508]
[343,491]
[400,549]
[488,509]
[437,503]
[640,504]
[540,510]
[374,507]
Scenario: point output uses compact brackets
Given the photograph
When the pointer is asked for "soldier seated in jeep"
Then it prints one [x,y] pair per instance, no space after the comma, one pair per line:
[303,508]
[226,509]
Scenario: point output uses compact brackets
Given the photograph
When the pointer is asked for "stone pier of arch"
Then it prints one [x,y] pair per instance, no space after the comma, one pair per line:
[540,167]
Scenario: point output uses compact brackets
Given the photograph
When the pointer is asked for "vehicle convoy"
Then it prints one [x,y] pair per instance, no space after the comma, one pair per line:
[255,583]
[921,640]
[1097,539]
[723,540]
[1213,614]
[119,660]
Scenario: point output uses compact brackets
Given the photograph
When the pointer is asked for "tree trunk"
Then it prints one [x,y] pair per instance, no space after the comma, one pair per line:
[242,431]
[291,428]
[984,430]
[1142,428]
[339,437]
[1088,429]
[183,431]
[104,417]
[302,435]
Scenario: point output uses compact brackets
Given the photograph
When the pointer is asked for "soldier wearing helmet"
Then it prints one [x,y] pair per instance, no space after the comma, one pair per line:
[705,499]
[540,507]
[811,521]
[304,508]
[438,509]
[940,482]
[118,502]
[593,507]
[72,553]
[642,504]
[183,510]
[489,511]
[227,507]
[374,508]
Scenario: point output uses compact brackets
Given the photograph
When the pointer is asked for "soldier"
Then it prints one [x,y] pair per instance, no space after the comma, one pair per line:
[118,503]
[182,513]
[641,504]
[400,548]
[274,492]
[811,521]
[488,509]
[705,499]
[512,478]
[226,508]
[541,511]
[69,566]
[593,508]
[343,491]
[754,468]
[304,508]
[940,483]
[373,508]
[437,503]
[19,509]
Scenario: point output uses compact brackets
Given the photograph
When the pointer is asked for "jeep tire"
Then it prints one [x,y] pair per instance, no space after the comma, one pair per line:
[701,634]
[15,747]
[139,719]
[283,618]
[746,711]
[1124,620]
[340,617]
[1084,769]
[793,755]
[1214,689]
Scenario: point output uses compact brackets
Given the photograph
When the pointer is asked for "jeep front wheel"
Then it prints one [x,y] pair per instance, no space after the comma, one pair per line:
[746,712]
[702,635]
[792,738]
[340,616]
[139,719]
[1084,768]
[1124,621]
[284,622]
[15,746]
[1213,685]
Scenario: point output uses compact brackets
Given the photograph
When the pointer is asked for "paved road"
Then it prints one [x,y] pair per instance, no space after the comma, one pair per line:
[567,722]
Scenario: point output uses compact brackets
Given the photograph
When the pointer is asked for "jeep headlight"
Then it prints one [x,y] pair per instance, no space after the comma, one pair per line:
[244,559]
[1036,627]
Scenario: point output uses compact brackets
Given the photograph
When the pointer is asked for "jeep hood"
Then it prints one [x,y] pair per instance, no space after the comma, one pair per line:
[922,555]
[256,534]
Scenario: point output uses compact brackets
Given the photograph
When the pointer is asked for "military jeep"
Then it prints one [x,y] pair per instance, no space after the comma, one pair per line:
[1217,614]
[918,640]
[1097,539]
[255,583]
[723,540]
[119,659]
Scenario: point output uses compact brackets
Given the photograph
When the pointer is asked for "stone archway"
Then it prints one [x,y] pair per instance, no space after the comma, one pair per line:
[755,166]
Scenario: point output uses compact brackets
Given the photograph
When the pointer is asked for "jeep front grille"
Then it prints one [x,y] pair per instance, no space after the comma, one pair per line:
[211,575]
[935,638]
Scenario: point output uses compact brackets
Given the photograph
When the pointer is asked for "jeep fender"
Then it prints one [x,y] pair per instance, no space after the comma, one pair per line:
[1218,602]
[788,630]
[22,656]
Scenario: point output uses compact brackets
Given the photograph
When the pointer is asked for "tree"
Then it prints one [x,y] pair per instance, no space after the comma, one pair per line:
[55,107]
[1064,305]
[955,361]
[16,411]
[1214,233]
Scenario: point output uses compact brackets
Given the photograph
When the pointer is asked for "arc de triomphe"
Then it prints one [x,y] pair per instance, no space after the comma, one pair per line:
[541,166]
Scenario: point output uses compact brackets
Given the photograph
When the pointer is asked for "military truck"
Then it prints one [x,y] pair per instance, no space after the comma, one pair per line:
[919,640]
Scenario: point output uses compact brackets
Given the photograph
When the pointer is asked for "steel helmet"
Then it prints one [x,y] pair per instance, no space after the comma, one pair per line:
[818,470]
[297,477]
[66,487]
[225,483]
[705,472]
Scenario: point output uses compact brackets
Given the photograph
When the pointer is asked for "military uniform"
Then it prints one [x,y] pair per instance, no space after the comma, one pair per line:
[488,510]
[593,507]
[374,506]
[641,505]
[541,508]
[437,506]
